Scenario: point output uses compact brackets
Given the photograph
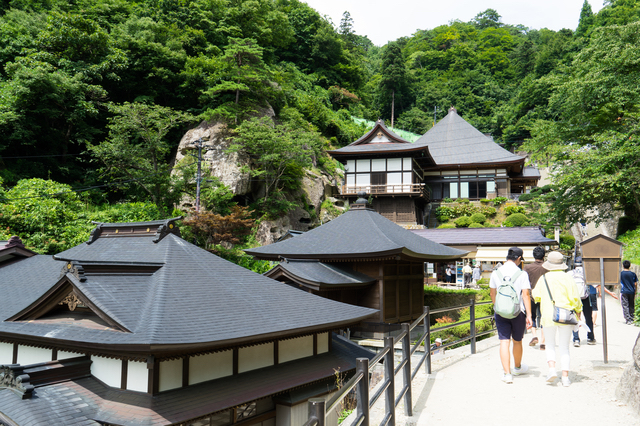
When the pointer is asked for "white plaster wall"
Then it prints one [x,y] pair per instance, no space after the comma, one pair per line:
[67,355]
[323,342]
[6,353]
[210,366]
[137,376]
[297,348]
[28,355]
[107,370]
[170,374]
[255,357]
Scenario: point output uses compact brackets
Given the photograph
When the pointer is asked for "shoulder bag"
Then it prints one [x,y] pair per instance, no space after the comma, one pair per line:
[561,315]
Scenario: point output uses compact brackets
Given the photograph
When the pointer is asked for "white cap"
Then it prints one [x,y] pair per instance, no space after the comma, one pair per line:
[438,340]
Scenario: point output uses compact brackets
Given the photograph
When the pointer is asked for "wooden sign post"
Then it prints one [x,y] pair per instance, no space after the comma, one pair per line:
[601,256]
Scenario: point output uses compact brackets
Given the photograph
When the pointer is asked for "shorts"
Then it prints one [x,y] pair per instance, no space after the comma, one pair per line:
[594,302]
[511,328]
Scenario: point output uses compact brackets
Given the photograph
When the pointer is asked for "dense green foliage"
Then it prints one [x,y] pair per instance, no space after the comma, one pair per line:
[97,94]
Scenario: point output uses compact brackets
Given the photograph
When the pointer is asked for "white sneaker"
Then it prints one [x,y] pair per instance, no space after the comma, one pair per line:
[552,376]
[518,371]
[507,378]
[566,382]
[576,343]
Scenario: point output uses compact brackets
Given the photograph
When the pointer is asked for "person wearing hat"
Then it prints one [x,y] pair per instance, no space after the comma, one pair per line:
[564,291]
[577,274]
[512,328]
[435,348]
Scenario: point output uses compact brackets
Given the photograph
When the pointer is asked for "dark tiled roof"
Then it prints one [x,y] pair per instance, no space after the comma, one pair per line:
[356,234]
[193,297]
[453,141]
[529,172]
[320,274]
[89,402]
[526,235]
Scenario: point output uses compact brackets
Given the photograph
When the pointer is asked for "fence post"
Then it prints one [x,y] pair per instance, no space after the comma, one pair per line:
[390,377]
[472,324]
[427,339]
[317,410]
[406,354]
[362,390]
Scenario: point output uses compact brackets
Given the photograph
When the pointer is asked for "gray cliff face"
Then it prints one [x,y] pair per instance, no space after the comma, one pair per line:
[629,387]
[316,186]
[217,162]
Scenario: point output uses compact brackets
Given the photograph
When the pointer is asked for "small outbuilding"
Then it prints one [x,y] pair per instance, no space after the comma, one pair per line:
[360,258]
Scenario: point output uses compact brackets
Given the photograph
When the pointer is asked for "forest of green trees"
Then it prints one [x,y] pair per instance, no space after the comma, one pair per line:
[96,94]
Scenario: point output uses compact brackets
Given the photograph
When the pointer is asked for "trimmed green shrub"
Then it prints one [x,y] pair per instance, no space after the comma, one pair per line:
[488,211]
[517,219]
[463,221]
[514,209]
[478,218]
[499,200]
[446,225]
[476,225]
[485,201]
[527,197]
[567,241]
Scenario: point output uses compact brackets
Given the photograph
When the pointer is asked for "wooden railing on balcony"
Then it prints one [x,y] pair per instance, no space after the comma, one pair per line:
[419,189]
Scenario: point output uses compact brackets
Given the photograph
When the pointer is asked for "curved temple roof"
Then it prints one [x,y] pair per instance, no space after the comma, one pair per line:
[165,295]
[453,141]
[356,234]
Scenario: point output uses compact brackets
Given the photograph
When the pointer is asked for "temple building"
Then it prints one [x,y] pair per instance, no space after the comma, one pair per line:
[452,160]
[139,327]
[360,258]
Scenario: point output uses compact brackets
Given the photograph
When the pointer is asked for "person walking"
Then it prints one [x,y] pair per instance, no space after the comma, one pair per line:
[477,274]
[513,328]
[467,271]
[535,270]
[577,274]
[448,273]
[629,282]
[556,288]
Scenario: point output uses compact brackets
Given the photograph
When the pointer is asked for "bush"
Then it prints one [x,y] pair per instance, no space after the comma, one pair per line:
[488,211]
[527,197]
[463,221]
[478,218]
[476,225]
[567,241]
[443,219]
[446,226]
[463,200]
[514,209]
[447,200]
[485,201]
[517,219]
[499,200]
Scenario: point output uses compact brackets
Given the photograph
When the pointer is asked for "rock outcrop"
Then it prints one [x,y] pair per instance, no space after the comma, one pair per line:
[629,387]
[217,161]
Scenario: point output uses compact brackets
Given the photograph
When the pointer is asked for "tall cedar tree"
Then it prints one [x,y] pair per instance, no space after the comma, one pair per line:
[394,83]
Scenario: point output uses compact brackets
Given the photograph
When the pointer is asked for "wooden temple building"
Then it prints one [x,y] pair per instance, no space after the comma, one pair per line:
[452,160]
[12,251]
[139,327]
[360,258]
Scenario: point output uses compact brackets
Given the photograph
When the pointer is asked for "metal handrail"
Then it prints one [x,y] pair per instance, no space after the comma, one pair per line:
[319,408]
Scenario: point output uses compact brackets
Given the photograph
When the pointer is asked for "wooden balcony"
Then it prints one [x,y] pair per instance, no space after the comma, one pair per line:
[414,189]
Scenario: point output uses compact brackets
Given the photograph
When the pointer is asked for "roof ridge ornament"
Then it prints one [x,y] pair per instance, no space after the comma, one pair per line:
[12,377]
[362,202]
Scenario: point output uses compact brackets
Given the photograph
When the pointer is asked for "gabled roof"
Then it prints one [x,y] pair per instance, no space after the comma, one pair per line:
[357,234]
[13,250]
[380,140]
[168,295]
[453,141]
[525,235]
[319,276]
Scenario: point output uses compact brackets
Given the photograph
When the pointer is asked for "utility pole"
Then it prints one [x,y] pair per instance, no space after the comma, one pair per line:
[393,104]
[199,173]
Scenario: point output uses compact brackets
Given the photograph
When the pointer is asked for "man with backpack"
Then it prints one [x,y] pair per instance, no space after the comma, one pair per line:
[509,289]
[583,291]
